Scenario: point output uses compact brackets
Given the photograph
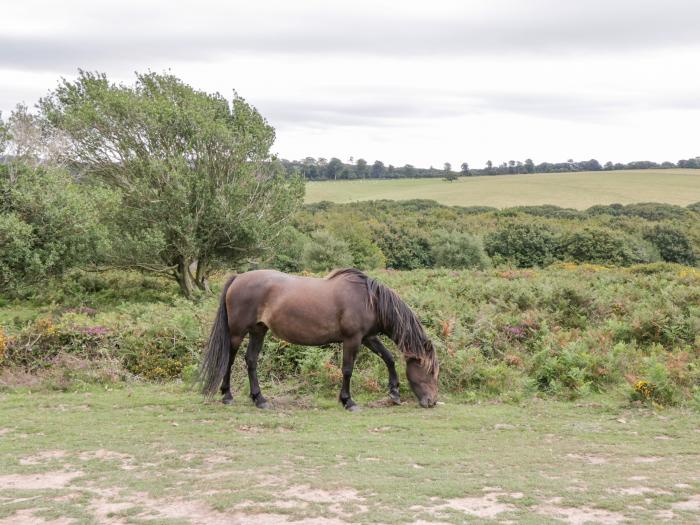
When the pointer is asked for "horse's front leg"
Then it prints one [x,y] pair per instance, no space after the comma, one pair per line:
[375,344]
[350,348]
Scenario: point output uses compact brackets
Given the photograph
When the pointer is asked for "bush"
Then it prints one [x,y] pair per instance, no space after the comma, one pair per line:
[48,224]
[325,252]
[603,246]
[404,249]
[458,250]
[672,243]
[523,245]
[289,250]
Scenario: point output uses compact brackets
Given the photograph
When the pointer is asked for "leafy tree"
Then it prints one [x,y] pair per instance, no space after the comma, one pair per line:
[4,135]
[48,223]
[198,187]
[378,169]
[465,169]
[361,169]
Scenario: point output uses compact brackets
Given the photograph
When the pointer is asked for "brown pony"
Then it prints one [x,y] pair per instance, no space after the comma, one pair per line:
[345,307]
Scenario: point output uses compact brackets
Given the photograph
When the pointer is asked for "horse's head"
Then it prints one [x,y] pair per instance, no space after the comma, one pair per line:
[423,379]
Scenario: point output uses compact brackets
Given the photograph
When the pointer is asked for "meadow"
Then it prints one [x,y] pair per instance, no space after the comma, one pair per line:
[569,190]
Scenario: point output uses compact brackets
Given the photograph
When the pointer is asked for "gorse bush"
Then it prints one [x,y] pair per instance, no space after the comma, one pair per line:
[324,252]
[524,245]
[672,244]
[458,250]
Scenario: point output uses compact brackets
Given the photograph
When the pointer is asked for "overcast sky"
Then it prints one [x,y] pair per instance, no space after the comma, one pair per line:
[405,82]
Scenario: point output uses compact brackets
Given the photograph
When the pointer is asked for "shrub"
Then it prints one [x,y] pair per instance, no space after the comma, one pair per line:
[325,252]
[458,250]
[404,249]
[672,243]
[523,245]
[289,250]
[603,246]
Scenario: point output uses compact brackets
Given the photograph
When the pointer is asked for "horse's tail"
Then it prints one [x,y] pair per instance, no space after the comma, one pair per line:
[215,361]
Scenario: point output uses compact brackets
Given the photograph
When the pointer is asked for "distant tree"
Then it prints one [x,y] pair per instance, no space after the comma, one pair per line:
[378,170]
[529,166]
[447,167]
[4,135]
[361,169]
[465,169]
[334,168]
[489,166]
[449,174]
[198,188]
[409,171]
[608,166]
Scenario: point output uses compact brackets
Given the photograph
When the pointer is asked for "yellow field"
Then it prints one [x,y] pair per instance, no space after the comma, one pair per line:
[570,190]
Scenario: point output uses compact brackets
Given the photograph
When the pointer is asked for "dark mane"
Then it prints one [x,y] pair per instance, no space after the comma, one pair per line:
[394,317]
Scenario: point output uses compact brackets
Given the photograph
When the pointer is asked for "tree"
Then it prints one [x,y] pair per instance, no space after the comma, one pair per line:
[4,135]
[198,187]
[334,168]
[465,169]
[361,169]
[529,166]
[489,166]
[378,170]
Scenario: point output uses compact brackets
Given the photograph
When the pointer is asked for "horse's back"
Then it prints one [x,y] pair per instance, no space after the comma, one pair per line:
[303,310]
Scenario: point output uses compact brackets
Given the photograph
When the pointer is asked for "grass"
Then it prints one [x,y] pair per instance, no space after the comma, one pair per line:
[158,454]
[569,190]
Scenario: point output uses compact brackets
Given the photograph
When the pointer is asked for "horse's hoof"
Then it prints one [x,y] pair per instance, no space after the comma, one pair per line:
[395,398]
[263,405]
[227,401]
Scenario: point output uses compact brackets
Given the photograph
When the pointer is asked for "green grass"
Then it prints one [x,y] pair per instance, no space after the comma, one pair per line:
[158,454]
[569,190]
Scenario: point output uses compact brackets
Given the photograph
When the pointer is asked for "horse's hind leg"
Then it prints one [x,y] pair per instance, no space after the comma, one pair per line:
[257,337]
[226,383]
[375,344]
[350,348]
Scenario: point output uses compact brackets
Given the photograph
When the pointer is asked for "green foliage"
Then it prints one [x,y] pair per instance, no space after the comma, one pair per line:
[565,331]
[523,245]
[672,243]
[404,249]
[458,250]
[325,252]
[289,249]
[48,224]
[194,172]
[604,246]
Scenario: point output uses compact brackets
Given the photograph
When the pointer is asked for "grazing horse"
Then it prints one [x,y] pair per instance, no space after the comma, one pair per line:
[345,307]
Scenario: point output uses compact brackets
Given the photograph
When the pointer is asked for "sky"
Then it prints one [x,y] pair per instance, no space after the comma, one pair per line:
[405,82]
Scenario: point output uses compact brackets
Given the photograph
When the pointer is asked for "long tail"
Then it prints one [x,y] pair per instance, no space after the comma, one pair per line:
[215,361]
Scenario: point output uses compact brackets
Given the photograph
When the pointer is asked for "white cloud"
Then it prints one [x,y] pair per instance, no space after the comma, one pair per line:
[409,82]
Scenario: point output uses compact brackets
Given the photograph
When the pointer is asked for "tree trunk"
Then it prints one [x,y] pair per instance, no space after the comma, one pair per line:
[184,278]
[201,276]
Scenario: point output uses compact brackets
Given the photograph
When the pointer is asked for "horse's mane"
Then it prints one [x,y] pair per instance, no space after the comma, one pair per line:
[394,317]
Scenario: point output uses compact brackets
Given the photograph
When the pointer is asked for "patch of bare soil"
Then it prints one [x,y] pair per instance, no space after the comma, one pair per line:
[647,459]
[638,491]
[27,516]
[44,480]
[579,515]
[486,506]
[588,458]
[692,504]
[43,457]
[306,493]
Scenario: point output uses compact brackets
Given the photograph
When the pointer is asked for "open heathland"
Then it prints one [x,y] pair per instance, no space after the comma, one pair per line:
[571,190]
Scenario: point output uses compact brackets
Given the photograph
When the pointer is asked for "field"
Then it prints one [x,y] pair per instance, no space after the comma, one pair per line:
[157,454]
[569,190]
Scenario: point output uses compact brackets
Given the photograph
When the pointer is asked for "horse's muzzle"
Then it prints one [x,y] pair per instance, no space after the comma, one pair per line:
[427,402]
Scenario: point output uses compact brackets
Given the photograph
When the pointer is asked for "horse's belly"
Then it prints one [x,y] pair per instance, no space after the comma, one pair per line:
[304,328]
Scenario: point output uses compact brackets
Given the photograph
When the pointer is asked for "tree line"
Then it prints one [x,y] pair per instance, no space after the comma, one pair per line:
[334,169]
